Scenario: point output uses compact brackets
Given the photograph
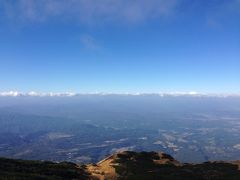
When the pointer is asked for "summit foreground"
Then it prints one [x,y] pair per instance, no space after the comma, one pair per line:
[123,165]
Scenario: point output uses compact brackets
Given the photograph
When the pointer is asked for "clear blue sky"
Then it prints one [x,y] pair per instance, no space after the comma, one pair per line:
[120,45]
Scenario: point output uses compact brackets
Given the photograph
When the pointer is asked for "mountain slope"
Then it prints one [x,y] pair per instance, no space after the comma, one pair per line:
[121,166]
[153,165]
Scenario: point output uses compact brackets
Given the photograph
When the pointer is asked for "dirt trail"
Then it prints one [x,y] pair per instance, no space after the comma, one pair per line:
[103,170]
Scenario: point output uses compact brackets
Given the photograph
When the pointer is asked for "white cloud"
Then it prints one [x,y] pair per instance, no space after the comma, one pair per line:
[10,93]
[36,94]
[116,11]
[33,93]
[88,11]
[72,94]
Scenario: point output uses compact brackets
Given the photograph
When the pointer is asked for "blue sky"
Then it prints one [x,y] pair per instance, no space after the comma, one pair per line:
[120,46]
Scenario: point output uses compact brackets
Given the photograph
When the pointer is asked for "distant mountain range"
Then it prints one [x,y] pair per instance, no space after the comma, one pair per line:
[123,165]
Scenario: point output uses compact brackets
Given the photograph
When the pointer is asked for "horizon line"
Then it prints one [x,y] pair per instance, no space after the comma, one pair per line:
[73,94]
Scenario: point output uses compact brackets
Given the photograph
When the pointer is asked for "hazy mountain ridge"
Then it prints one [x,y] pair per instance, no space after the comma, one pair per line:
[123,165]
